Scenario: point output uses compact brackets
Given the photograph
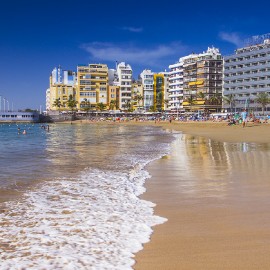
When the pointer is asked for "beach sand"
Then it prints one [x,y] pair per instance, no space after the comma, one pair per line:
[215,195]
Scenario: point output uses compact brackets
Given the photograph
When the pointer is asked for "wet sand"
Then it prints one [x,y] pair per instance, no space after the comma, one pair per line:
[215,195]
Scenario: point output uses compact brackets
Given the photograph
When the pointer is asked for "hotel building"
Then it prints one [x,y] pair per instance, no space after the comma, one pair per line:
[247,73]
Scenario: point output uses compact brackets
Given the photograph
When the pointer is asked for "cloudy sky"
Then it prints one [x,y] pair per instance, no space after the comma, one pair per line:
[38,35]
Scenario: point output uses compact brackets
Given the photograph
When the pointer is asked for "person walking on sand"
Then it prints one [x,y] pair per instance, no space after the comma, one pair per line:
[244,117]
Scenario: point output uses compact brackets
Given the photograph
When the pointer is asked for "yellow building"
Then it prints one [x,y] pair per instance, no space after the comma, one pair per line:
[92,85]
[113,97]
[159,94]
[62,85]
[61,92]
[137,95]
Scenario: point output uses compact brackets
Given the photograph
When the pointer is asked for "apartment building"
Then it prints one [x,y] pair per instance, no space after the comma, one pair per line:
[196,82]
[62,85]
[147,77]
[158,91]
[92,85]
[246,74]
[155,88]
[175,95]
[166,89]
[202,81]
[124,78]
[113,96]
[137,95]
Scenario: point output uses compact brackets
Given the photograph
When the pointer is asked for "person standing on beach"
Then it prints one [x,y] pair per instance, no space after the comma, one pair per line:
[244,117]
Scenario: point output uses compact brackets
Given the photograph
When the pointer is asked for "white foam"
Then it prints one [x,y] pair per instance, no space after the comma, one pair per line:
[95,221]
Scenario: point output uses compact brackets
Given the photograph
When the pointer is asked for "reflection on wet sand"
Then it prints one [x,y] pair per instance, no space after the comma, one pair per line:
[211,168]
[216,198]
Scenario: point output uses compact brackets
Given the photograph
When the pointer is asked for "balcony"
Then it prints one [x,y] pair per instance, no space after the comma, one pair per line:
[246,91]
[247,83]
[247,52]
[250,68]
[247,61]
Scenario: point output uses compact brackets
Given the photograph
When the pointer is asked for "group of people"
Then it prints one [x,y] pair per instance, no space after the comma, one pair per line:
[46,127]
[243,119]
[24,131]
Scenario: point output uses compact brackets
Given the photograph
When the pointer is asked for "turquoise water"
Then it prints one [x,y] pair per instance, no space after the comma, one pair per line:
[69,196]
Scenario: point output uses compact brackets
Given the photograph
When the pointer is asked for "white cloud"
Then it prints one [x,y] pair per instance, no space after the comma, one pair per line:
[135,55]
[132,29]
[233,38]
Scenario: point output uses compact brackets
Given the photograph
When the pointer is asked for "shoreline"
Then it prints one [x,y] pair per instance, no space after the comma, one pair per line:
[171,246]
[218,131]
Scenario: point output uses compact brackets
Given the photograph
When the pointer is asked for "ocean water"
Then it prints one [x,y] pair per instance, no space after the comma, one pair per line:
[69,197]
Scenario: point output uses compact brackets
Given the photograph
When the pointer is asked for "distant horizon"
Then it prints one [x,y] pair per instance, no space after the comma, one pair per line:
[37,36]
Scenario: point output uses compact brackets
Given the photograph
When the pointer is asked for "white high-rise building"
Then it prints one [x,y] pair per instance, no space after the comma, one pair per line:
[124,73]
[113,77]
[175,95]
[57,74]
[147,77]
[60,76]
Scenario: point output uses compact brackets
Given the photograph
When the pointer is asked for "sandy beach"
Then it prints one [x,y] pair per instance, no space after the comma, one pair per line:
[215,195]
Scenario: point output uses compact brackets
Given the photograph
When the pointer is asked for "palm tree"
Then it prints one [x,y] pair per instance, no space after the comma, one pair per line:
[201,95]
[101,106]
[139,98]
[191,101]
[57,103]
[112,104]
[263,99]
[86,105]
[72,103]
[166,102]
[131,106]
[216,101]
[230,99]
[127,105]
[159,101]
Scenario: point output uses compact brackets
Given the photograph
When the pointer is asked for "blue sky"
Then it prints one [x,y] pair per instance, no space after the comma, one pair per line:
[38,35]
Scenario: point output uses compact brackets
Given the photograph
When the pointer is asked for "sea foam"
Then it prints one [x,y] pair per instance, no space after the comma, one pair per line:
[94,221]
